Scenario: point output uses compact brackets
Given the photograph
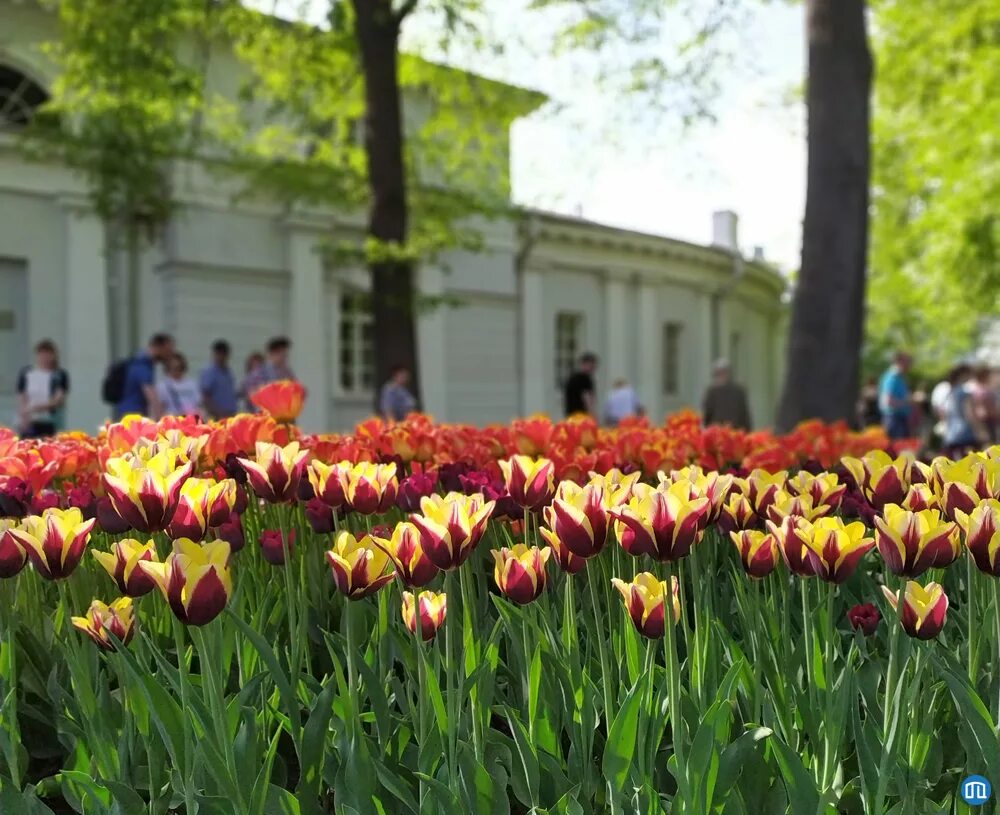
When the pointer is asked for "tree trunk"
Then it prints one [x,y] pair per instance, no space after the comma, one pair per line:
[824,345]
[393,301]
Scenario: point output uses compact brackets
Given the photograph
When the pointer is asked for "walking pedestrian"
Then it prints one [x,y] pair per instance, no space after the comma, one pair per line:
[218,385]
[578,392]
[725,401]
[42,389]
[894,397]
[178,393]
[395,400]
[139,390]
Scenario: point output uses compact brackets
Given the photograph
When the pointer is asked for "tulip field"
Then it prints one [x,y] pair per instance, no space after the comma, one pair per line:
[237,618]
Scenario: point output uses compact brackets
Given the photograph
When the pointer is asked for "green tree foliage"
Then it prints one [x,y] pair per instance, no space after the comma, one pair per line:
[935,261]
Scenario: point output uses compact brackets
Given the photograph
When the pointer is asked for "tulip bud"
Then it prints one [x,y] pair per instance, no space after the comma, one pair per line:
[47,499]
[823,488]
[786,504]
[359,567]
[232,533]
[792,537]
[403,547]
[320,517]
[645,599]
[83,499]
[864,618]
[12,554]
[913,542]
[122,563]
[103,621]
[920,497]
[530,482]
[54,541]
[762,489]
[433,610]
[15,497]
[758,551]
[413,488]
[272,546]
[925,609]
[882,479]
[520,572]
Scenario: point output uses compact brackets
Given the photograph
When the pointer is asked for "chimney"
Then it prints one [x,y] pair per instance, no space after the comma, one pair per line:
[758,254]
[725,224]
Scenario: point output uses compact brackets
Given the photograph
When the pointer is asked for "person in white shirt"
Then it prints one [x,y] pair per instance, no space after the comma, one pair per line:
[621,403]
[42,390]
[940,398]
[179,394]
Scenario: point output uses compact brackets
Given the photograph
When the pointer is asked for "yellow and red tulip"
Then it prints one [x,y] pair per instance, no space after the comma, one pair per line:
[54,540]
[662,523]
[925,609]
[578,518]
[190,517]
[145,493]
[913,542]
[824,488]
[885,480]
[759,551]
[282,400]
[194,579]
[835,548]
[413,566]
[645,602]
[786,504]
[520,572]
[982,535]
[359,566]
[451,526]
[920,497]
[762,489]
[711,485]
[737,513]
[103,621]
[617,486]
[12,554]
[370,488]
[275,471]
[327,481]
[433,610]
[792,536]
[122,563]
[530,481]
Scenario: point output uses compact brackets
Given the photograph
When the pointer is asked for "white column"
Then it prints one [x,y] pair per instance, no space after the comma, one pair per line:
[307,321]
[431,336]
[535,355]
[704,331]
[617,324]
[649,376]
[86,352]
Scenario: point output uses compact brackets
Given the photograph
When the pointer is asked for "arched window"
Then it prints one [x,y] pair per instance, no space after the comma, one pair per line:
[20,97]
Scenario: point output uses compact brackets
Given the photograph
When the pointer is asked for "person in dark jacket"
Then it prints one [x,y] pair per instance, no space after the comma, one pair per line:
[725,401]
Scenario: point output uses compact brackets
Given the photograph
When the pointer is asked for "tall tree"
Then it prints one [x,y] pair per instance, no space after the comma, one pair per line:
[824,345]
[377,27]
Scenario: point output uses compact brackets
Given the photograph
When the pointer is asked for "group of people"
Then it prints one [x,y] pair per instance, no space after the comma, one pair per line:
[725,400]
[960,413]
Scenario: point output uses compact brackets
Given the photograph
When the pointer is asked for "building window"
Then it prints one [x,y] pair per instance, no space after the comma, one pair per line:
[569,334]
[734,353]
[19,98]
[672,358]
[357,369]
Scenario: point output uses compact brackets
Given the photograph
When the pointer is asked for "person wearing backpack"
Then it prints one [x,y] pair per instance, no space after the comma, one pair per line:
[137,392]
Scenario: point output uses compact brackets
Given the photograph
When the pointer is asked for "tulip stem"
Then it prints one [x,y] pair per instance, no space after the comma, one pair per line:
[469,629]
[9,615]
[996,620]
[972,622]
[451,620]
[890,712]
[674,689]
[182,669]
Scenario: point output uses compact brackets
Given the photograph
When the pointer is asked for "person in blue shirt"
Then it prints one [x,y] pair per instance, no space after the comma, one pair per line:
[139,392]
[217,384]
[894,399]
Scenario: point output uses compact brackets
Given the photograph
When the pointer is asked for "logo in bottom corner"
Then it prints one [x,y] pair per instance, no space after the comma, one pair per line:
[976,790]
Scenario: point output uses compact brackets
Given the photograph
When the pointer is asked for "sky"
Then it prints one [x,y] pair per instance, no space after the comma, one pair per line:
[593,152]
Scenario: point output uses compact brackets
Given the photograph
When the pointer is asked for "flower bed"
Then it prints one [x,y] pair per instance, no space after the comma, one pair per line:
[545,617]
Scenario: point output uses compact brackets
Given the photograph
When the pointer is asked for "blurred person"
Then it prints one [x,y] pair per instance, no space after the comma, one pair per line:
[218,385]
[984,403]
[894,397]
[178,393]
[921,402]
[578,392]
[939,406]
[961,430]
[251,372]
[139,389]
[274,367]
[725,401]
[622,402]
[41,390]
[868,413]
[395,400]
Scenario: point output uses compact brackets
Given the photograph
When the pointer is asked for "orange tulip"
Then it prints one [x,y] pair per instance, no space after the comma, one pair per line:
[281,400]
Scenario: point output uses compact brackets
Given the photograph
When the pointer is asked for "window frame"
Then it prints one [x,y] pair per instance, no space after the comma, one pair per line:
[670,357]
[355,345]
